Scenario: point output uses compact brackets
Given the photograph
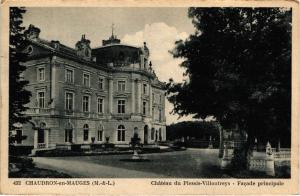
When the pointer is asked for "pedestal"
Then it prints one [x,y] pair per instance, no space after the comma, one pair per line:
[135,155]
[270,168]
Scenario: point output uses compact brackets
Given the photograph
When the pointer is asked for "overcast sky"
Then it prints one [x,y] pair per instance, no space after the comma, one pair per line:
[159,27]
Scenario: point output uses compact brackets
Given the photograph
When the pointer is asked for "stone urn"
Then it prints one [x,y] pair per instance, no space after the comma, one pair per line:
[135,144]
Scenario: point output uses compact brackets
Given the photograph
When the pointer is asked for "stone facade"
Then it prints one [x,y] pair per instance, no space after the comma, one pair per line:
[77,99]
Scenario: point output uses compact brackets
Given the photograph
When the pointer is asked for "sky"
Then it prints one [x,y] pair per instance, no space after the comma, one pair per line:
[158,27]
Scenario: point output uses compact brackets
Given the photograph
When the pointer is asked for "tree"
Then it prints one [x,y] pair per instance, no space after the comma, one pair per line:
[238,68]
[18,95]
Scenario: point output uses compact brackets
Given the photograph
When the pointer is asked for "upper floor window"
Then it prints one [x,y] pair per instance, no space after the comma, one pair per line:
[160,99]
[100,105]
[86,104]
[69,101]
[144,107]
[101,83]
[160,115]
[41,74]
[69,75]
[121,86]
[86,79]
[145,89]
[41,99]
[121,106]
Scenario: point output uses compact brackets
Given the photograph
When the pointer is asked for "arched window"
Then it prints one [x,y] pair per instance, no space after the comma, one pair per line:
[100,133]
[69,133]
[121,133]
[152,133]
[85,132]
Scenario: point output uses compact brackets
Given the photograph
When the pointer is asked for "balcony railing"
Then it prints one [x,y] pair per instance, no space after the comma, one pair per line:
[39,111]
[41,145]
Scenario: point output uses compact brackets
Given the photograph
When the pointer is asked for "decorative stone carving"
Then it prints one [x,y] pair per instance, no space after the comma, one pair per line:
[83,48]
[32,32]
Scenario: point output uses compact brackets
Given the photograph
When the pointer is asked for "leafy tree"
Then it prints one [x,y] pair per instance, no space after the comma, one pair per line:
[18,95]
[238,68]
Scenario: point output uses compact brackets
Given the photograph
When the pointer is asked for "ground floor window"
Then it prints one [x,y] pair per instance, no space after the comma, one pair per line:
[100,135]
[85,132]
[69,135]
[121,133]
[160,136]
[19,136]
[152,133]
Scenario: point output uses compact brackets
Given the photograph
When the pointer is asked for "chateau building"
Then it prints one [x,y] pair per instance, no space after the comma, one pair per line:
[82,95]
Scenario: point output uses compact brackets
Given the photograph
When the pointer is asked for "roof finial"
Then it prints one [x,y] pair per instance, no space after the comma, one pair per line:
[112,30]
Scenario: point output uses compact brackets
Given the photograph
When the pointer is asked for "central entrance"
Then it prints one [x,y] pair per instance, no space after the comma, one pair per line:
[146,134]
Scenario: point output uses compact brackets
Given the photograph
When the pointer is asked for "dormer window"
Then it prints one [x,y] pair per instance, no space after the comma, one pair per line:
[83,48]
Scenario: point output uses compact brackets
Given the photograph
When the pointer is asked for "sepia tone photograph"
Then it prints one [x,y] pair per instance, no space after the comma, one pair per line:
[149,98]
[150,92]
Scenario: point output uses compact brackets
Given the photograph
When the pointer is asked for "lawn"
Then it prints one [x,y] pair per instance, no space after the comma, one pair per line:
[179,164]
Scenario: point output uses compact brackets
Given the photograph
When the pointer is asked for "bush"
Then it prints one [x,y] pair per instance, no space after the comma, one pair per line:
[22,163]
[58,153]
[19,150]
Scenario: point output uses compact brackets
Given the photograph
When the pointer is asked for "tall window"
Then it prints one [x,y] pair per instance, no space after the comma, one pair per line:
[145,89]
[121,133]
[153,112]
[69,101]
[85,104]
[85,132]
[121,106]
[160,116]
[160,99]
[152,133]
[69,76]
[153,98]
[19,136]
[86,79]
[121,86]
[100,105]
[41,99]
[144,107]
[101,83]
[41,74]
[68,135]
[100,134]
[160,135]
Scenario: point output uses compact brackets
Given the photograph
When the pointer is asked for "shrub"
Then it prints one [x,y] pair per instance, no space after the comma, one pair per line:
[22,162]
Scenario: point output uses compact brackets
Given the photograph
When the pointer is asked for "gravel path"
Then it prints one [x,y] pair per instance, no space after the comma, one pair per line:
[79,169]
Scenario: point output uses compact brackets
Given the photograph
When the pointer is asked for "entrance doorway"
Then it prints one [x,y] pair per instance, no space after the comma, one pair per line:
[41,136]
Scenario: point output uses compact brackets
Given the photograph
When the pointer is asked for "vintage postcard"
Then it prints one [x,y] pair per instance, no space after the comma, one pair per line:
[149,97]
